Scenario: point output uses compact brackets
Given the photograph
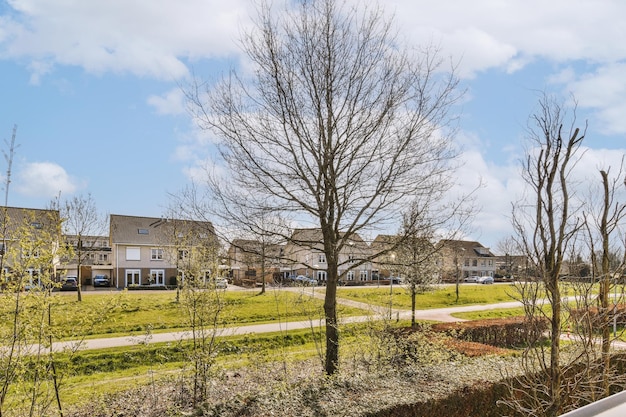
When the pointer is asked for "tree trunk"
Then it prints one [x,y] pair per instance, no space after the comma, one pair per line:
[332,329]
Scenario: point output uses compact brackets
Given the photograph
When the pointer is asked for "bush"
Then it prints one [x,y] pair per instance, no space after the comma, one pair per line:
[506,333]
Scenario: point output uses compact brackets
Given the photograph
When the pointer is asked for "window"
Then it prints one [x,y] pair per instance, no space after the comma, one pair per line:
[351,258]
[183,254]
[133,254]
[156,254]
[37,225]
[321,276]
[103,257]
[143,231]
[467,262]
[363,276]
[350,276]
[475,262]
[157,277]
[322,258]
[133,277]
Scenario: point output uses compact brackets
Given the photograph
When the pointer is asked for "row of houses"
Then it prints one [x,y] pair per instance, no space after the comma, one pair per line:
[149,251]
[253,261]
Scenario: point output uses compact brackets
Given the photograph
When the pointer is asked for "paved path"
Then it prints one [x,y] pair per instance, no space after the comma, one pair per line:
[376,313]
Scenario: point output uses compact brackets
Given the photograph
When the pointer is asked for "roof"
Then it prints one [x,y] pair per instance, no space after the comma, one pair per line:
[313,239]
[19,216]
[470,248]
[137,230]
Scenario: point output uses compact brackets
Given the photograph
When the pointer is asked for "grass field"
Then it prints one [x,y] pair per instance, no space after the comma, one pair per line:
[440,297]
[103,314]
[90,374]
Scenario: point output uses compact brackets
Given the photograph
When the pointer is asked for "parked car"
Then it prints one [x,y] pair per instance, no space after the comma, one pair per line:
[221,283]
[473,278]
[396,280]
[101,281]
[304,280]
[69,284]
[485,280]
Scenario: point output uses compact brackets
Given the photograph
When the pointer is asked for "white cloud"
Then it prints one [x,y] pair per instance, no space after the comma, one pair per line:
[171,102]
[44,179]
[142,37]
[509,34]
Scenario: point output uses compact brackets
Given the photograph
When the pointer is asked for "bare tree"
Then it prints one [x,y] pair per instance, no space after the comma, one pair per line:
[83,223]
[602,222]
[550,225]
[417,257]
[337,126]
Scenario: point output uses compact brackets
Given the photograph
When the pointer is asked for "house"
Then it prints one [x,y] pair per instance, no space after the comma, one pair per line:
[156,251]
[414,258]
[96,257]
[305,256]
[383,265]
[29,247]
[249,258]
[461,259]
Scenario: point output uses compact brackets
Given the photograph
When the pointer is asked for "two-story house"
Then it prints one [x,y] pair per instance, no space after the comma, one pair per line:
[96,257]
[304,253]
[464,258]
[29,245]
[157,251]
[249,259]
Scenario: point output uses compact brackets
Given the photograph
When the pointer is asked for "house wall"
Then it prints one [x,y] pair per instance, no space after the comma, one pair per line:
[141,271]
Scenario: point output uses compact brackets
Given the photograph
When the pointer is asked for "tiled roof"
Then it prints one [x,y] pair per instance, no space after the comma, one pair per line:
[137,230]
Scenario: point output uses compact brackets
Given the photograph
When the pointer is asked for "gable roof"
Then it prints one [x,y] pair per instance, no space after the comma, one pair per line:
[470,248]
[17,217]
[137,230]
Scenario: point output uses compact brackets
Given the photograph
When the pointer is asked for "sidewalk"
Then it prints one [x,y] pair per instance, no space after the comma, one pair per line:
[377,313]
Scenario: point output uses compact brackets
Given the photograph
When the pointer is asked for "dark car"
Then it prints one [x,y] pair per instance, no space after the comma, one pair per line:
[101,281]
[69,284]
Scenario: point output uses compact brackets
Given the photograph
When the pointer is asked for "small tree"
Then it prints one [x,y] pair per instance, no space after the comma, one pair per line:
[82,222]
[549,226]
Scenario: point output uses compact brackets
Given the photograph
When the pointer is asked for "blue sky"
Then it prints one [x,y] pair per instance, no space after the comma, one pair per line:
[94,88]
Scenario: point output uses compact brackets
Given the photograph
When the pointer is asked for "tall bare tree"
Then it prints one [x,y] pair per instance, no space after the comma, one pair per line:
[555,225]
[604,236]
[338,125]
[83,222]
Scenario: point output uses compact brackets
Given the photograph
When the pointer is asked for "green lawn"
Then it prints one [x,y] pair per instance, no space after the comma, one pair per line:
[104,314]
[443,296]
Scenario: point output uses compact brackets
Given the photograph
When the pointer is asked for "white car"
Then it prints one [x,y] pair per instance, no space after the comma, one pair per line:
[473,278]
[221,283]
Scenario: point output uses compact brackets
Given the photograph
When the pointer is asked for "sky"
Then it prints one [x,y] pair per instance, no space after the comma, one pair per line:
[95,90]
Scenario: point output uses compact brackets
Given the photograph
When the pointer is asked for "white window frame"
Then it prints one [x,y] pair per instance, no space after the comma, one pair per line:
[322,258]
[321,276]
[363,275]
[157,277]
[156,254]
[133,273]
[350,275]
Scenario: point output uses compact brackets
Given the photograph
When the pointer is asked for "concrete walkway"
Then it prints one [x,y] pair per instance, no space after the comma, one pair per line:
[375,313]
